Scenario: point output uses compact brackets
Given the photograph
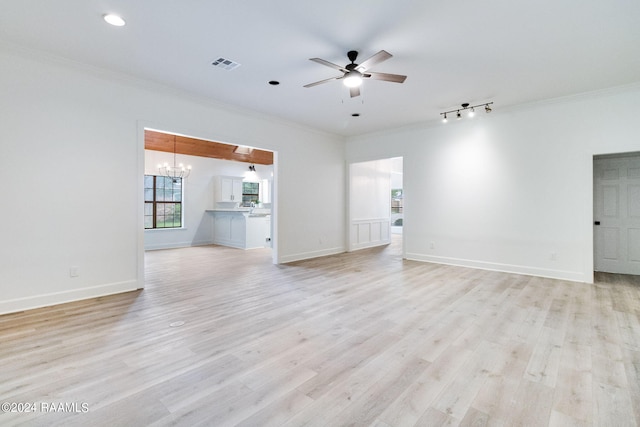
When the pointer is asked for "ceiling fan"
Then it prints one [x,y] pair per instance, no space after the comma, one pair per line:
[353,74]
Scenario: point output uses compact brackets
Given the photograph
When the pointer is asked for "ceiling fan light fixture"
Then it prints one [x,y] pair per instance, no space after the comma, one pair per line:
[353,79]
[353,74]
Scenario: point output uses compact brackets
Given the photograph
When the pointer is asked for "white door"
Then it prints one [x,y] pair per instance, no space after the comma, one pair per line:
[617,214]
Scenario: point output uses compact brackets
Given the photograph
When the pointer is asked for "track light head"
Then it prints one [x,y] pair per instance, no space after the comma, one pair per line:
[252,168]
[487,109]
[444,119]
[458,115]
[472,112]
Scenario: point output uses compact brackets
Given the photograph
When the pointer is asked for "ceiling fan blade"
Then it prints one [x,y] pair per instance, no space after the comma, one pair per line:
[323,81]
[396,78]
[328,64]
[383,55]
[354,91]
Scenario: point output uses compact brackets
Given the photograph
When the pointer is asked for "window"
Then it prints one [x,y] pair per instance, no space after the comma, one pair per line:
[397,204]
[250,192]
[162,202]
[396,201]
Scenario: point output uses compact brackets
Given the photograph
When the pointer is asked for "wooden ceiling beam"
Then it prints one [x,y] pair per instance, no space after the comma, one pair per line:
[159,141]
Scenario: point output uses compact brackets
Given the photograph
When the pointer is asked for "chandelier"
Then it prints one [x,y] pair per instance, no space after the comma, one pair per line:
[176,171]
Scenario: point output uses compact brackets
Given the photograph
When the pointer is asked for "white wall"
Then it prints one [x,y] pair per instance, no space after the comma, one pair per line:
[510,190]
[198,197]
[72,167]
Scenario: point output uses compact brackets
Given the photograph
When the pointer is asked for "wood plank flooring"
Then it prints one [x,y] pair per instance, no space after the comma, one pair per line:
[359,339]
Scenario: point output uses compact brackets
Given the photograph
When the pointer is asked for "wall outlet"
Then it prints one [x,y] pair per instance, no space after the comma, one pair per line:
[73,271]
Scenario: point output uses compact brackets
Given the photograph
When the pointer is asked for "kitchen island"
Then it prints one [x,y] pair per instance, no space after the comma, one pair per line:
[243,228]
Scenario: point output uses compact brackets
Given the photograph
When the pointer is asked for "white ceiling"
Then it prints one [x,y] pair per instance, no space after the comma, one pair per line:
[506,51]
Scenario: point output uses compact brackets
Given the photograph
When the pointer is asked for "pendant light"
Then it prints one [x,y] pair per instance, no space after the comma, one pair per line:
[176,171]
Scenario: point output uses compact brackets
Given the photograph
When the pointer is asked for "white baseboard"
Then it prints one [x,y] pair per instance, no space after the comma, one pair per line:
[229,243]
[357,246]
[308,255]
[45,300]
[573,276]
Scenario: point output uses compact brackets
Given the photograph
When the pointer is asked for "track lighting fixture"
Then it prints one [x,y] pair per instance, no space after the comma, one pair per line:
[252,168]
[465,107]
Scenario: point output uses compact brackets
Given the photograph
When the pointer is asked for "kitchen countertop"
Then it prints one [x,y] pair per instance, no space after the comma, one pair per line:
[230,210]
[250,212]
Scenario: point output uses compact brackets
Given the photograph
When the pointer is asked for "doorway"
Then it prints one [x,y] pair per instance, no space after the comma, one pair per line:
[376,203]
[617,213]
[212,162]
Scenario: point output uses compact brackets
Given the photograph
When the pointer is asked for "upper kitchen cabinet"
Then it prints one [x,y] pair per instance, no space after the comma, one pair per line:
[227,189]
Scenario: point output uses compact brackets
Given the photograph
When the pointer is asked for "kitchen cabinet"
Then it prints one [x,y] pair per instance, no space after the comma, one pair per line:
[241,229]
[227,189]
[229,229]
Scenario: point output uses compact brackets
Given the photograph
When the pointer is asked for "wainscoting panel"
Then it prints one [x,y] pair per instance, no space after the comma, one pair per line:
[366,233]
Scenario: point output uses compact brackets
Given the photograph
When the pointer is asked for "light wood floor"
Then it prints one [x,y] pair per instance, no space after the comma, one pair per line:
[357,339]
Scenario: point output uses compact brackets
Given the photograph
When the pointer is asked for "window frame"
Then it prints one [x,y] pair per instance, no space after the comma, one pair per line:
[253,197]
[157,204]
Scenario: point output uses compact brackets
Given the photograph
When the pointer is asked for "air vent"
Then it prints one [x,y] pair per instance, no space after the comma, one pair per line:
[225,64]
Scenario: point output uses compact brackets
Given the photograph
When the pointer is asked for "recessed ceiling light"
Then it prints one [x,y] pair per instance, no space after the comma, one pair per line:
[274,82]
[114,20]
